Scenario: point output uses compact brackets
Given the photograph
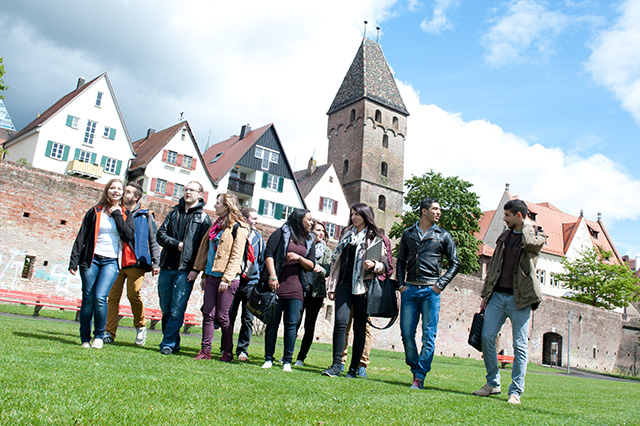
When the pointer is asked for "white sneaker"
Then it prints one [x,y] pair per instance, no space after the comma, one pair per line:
[243,357]
[141,336]
[299,363]
[86,345]
[286,367]
[267,364]
[97,344]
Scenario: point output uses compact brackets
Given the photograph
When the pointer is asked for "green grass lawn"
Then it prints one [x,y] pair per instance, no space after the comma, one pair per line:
[46,378]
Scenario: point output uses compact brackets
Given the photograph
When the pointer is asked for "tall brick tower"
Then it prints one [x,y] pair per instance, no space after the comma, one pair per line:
[367,129]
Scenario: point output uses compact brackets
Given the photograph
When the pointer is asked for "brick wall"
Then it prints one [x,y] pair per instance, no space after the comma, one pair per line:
[56,205]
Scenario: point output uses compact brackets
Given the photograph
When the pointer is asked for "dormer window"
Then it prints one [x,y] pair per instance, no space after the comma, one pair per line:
[593,233]
[532,215]
[217,157]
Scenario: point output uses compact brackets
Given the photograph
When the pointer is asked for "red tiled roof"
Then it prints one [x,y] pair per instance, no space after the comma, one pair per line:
[233,149]
[147,148]
[307,183]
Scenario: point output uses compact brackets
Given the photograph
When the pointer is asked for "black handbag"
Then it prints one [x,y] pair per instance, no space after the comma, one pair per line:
[382,301]
[263,303]
[475,333]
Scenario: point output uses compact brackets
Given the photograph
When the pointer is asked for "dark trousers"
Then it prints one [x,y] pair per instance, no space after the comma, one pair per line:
[345,300]
[246,317]
[311,307]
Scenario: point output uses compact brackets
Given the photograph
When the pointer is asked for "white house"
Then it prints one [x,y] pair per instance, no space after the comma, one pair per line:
[83,134]
[168,160]
[254,166]
[324,196]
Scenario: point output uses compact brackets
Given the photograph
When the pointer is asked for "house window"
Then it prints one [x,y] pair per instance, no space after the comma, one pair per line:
[172,157]
[352,116]
[540,275]
[99,99]
[385,141]
[217,157]
[327,205]
[384,168]
[110,165]
[72,121]
[272,182]
[178,190]
[84,156]
[382,203]
[378,116]
[331,229]
[395,123]
[286,211]
[90,132]
[345,167]
[267,156]
[269,209]
[161,186]
[109,133]
[330,179]
[187,162]
[57,151]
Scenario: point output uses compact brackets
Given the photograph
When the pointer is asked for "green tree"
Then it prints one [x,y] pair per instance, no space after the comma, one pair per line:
[598,281]
[3,87]
[460,212]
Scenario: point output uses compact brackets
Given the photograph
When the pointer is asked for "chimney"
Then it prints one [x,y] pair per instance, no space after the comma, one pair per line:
[80,83]
[506,187]
[150,133]
[599,216]
[312,166]
[246,129]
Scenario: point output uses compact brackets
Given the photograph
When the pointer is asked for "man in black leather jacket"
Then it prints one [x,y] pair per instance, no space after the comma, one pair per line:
[179,236]
[419,275]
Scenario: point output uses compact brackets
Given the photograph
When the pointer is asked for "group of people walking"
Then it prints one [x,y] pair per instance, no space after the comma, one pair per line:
[118,241]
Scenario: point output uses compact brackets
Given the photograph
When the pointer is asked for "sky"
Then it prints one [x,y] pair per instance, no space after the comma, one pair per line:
[543,95]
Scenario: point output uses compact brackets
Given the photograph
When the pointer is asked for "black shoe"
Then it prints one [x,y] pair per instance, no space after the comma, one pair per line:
[352,374]
[333,371]
[166,351]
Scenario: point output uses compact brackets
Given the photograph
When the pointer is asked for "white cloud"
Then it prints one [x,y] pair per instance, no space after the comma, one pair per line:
[439,21]
[485,155]
[615,61]
[525,33]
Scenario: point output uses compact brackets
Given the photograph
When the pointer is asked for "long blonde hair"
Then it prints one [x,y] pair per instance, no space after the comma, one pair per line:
[231,204]
[105,199]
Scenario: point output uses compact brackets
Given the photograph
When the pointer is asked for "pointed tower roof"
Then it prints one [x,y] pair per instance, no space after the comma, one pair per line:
[369,77]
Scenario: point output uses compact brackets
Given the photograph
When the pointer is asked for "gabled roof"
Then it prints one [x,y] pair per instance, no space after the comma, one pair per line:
[232,149]
[307,183]
[369,77]
[61,103]
[148,147]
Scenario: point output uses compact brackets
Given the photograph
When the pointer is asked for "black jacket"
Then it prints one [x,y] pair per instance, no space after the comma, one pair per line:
[85,243]
[183,226]
[421,260]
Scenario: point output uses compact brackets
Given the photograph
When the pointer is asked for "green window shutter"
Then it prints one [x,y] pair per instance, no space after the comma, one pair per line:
[76,154]
[278,214]
[49,148]
[103,161]
[65,153]
[280,183]
[265,177]
[93,158]
[112,134]
[69,120]
[261,207]
[118,166]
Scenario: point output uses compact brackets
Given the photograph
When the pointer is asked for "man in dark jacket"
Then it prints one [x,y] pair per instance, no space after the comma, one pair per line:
[179,236]
[418,271]
[511,290]
[139,256]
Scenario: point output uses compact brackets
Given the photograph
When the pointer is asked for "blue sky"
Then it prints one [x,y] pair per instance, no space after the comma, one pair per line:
[544,95]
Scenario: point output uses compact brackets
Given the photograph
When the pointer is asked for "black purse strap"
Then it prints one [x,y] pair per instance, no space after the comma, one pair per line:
[391,322]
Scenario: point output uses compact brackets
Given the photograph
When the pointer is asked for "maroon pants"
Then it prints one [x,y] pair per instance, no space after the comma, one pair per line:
[215,309]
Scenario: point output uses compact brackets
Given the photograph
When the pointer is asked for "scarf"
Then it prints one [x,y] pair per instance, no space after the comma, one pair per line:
[216,228]
[358,239]
[321,246]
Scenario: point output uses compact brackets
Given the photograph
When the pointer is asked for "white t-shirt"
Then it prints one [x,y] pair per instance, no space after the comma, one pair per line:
[108,241]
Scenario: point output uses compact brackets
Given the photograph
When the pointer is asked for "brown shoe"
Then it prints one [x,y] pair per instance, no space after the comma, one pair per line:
[203,355]
[487,390]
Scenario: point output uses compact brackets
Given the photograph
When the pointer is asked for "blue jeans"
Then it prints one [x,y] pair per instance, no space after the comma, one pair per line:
[500,307]
[174,291]
[416,301]
[291,309]
[97,280]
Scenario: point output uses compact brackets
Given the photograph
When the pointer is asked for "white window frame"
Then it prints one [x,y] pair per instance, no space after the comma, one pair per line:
[178,190]
[74,122]
[90,132]
[327,205]
[286,211]
[106,132]
[187,162]
[269,209]
[540,275]
[272,182]
[84,156]
[57,151]
[268,156]
[99,100]
[331,230]
[110,165]
[172,155]
[162,185]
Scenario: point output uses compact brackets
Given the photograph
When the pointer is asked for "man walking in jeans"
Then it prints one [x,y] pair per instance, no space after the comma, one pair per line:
[179,236]
[511,290]
[418,271]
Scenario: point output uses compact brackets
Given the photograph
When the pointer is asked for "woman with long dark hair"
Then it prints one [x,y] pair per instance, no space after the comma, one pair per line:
[352,268]
[220,257]
[96,251]
[290,249]
[314,299]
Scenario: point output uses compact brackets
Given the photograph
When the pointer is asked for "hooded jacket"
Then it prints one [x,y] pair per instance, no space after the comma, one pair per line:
[143,251]
[186,227]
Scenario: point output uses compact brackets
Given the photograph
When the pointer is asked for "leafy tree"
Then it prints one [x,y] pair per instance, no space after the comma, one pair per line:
[3,87]
[598,281]
[460,212]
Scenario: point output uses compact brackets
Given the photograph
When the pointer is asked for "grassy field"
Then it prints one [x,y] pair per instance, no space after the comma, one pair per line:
[46,378]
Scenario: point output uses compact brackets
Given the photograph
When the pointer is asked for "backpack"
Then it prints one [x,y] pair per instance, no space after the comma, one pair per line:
[248,258]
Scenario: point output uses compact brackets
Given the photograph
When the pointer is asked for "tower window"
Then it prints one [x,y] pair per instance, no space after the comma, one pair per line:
[395,123]
[345,167]
[384,168]
[382,203]
[385,141]
[378,116]
[352,116]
